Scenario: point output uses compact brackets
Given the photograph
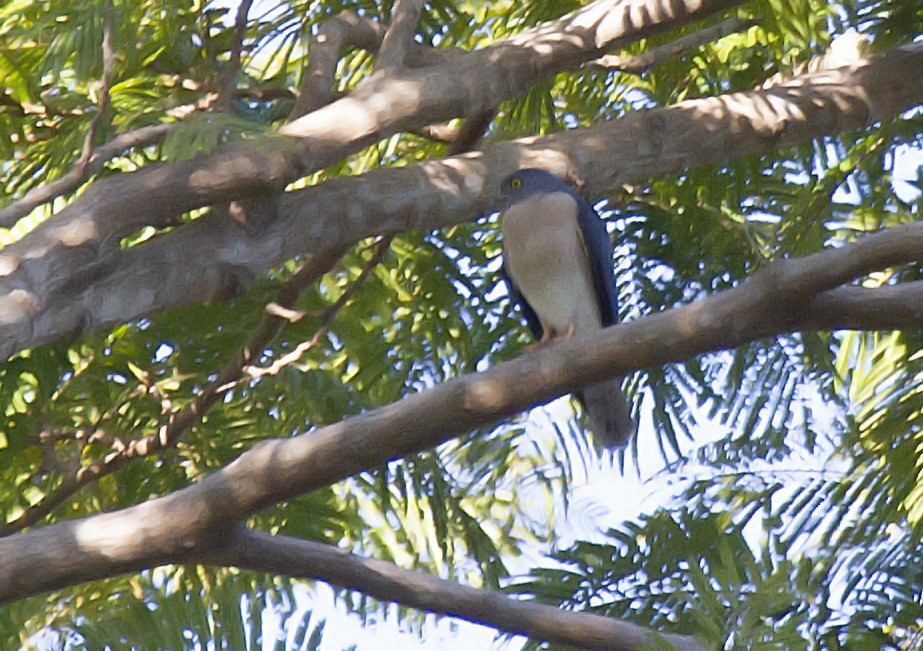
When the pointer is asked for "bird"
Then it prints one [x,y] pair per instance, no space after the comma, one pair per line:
[557,264]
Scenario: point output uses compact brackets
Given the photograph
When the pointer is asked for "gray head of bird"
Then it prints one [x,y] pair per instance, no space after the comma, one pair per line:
[525,183]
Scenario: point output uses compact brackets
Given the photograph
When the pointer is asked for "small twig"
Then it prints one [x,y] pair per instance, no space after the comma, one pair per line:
[229,74]
[438,132]
[103,437]
[105,84]
[282,362]
[644,62]
[326,317]
[405,16]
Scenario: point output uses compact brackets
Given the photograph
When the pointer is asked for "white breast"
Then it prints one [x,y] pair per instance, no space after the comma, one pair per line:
[546,258]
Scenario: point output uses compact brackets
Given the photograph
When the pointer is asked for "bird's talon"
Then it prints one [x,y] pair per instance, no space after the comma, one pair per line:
[547,337]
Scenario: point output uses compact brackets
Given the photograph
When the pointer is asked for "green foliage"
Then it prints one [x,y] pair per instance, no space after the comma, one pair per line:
[798,526]
[180,609]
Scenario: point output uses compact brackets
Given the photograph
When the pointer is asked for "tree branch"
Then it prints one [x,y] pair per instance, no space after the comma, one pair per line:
[71,181]
[890,307]
[167,271]
[787,295]
[318,86]
[693,41]
[471,132]
[287,556]
[404,18]
[326,318]
[102,102]
[318,83]
[229,74]
[461,138]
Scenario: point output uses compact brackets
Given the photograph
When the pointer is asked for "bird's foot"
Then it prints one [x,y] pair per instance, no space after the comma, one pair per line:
[550,336]
[541,343]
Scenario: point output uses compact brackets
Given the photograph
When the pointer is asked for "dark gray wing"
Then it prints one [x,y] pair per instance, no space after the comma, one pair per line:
[532,320]
[599,250]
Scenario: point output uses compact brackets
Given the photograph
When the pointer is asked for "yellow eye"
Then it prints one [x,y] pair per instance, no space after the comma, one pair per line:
[515,183]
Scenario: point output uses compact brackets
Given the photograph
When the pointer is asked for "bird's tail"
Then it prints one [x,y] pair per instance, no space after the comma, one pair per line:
[607,410]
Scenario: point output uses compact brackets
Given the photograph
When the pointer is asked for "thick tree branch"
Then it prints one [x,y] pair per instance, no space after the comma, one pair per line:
[480,80]
[786,296]
[91,227]
[891,307]
[287,556]
[318,83]
[168,271]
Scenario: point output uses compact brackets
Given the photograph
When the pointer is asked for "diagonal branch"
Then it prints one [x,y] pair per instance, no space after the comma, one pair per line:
[287,556]
[140,137]
[786,296]
[404,18]
[229,75]
[326,318]
[471,132]
[461,138]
